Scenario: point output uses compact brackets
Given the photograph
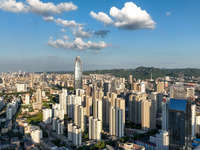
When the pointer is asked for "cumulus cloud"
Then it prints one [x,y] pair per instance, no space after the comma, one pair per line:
[101,33]
[13,6]
[168,13]
[130,17]
[81,33]
[102,17]
[48,18]
[77,44]
[36,6]
[61,22]
[66,23]
[45,9]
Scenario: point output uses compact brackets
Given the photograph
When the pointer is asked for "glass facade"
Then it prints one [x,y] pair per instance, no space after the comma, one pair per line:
[78,74]
[180,124]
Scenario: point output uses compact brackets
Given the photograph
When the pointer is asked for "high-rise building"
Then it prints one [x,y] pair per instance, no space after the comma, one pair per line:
[78,74]
[74,134]
[191,92]
[22,87]
[47,116]
[63,100]
[89,90]
[165,115]
[120,103]
[27,98]
[135,107]
[80,92]
[59,126]
[160,87]
[148,117]
[38,103]
[106,106]
[95,127]
[130,79]
[134,86]
[193,118]
[36,133]
[38,95]
[180,124]
[88,106]
[197,125]
[106,88]
[97,109]
[116,125]
[9,112]
[143,87]
[113,98]
[162,140]
[80,117]
[72,101]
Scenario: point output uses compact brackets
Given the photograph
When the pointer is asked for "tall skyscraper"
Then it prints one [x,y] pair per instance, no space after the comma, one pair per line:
[180,124]
[78,74]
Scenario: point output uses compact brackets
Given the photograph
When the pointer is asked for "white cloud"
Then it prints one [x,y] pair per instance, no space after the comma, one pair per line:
[77,44]
[102,17]
[48,18]
[81,33]
[13,6]
[45,9]
[66,23]
[36,6]
[130,17]
[65,37]
[168,13]
[63,30]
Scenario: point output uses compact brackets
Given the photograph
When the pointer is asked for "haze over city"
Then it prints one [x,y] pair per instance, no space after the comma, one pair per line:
[105,34]
[99,75]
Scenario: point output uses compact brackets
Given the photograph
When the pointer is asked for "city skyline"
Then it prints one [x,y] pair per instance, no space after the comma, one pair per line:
[49,37]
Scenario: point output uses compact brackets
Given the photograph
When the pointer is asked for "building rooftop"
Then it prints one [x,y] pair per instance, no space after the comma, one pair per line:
[177,104]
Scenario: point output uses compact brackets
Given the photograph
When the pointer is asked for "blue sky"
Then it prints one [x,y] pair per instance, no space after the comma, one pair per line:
[162,33]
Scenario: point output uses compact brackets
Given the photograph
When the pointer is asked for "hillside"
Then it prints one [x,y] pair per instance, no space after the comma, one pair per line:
[143,72]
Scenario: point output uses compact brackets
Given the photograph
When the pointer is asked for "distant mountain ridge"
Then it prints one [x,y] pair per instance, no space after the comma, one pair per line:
[142,72]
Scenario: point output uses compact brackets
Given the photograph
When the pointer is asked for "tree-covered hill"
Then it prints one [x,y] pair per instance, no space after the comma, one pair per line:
[143,72]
